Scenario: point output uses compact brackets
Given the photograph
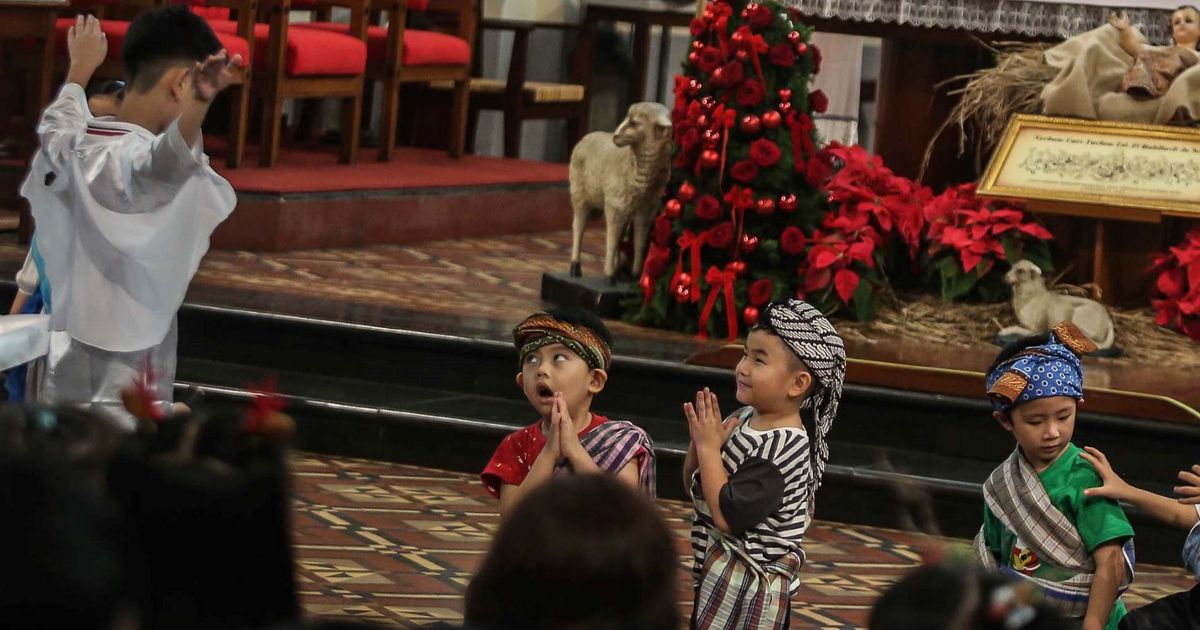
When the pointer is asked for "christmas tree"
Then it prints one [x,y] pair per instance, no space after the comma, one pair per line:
[744,216]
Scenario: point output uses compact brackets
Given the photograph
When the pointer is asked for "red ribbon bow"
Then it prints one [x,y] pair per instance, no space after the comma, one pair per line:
[721,282]
[802,145]
[740,199]
[755,45]
[690,240]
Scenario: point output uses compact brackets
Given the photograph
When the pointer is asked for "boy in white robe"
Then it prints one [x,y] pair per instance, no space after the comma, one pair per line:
[125,207]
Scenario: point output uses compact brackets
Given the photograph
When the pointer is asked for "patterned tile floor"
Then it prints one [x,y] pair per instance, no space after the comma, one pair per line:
[397,545]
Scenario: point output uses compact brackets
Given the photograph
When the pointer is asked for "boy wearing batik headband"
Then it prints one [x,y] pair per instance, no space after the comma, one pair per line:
[1038,523]
[565,358]
[753,477]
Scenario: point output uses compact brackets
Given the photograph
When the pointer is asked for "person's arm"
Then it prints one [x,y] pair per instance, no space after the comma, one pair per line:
[709,435]
[1167,510]
[1129,36]
[690,464]
[66,119]
[568,438]
[630,475]
[1189,491]
[1110,572]
[539,473]
[87,48]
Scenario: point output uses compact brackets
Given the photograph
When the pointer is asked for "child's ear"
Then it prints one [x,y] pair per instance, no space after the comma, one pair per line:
[598,381]
[801,384]
[521,380]
[1004,419]
[179,81]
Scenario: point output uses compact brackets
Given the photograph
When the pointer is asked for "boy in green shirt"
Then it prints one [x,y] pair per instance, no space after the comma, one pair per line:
[1038,524]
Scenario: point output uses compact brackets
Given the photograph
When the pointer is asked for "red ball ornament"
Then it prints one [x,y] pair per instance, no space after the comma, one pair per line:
[794,38]
[751,124]
[750,315]
[647,285]
[702,121]
[708,103]
[785,108]
[787,203]
[673,208]
[687,192]
[718,76]
[772,119]
[697,45]
[738,267]
[712,138]
[738,38]
[683,288]
[764,206]
[741,55]
[802,49]
[785,95]
[750,9]
[709,158]
[694,57]
[749,243]
[694,87]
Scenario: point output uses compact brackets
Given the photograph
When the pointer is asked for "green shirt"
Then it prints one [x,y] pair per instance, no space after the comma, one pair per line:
[1097,520]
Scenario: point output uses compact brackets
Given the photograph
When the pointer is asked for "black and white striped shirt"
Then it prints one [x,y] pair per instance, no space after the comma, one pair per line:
[765,502]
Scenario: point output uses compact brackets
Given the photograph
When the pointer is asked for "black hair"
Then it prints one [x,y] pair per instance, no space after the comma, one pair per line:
[114,86]
[1018,346]
[584,552]
[940,597]
[164,37]
[584,319]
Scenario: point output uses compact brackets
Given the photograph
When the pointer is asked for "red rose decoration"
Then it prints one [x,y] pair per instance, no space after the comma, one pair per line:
[709,59]
[708,208]
[750,93]
[698,27]
[760,291]
[792,241]
[816,58]
[782,55]
[744,171]
[732,73]
[765,153]
[721,235]
[760,18]
[818,101]
[662,231]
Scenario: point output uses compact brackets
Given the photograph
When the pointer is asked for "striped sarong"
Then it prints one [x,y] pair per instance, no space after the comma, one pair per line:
[615,443]
[1014,494]
[735,593]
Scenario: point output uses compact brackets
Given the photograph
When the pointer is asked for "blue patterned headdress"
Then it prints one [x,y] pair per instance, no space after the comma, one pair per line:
[1051,369]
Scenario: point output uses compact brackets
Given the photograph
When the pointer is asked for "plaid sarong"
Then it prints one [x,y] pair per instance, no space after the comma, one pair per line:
[1014,494]
[1191,551]
[735,593]
[615,443]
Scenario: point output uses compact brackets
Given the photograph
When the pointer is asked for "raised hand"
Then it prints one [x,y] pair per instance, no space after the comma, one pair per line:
[1114,486]
[1189,492]
[87,47]
[568,437]
[705,421]
[214,74]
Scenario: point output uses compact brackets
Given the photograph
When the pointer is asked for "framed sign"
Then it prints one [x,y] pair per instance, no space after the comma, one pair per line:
[1097,168]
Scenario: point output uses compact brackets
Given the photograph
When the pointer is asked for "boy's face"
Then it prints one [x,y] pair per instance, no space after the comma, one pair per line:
[1042,428]
[556,368]
[769,376]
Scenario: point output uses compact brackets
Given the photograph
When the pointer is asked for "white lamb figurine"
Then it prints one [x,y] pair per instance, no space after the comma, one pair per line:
[1039,309]
[623,175]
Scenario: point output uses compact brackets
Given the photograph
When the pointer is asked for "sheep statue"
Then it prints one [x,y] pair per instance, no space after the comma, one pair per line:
[623,175]
[1038,309]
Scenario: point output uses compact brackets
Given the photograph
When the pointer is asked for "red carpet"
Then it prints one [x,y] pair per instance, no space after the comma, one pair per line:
[317,170]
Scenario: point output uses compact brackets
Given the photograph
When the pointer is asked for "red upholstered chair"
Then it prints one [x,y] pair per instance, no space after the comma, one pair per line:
[399,55]
[302,63]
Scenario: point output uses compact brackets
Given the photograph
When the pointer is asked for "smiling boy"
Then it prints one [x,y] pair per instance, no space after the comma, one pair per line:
[565,359]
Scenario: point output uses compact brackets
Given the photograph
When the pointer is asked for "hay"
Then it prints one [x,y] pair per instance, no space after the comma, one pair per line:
[991,96]
[926,318]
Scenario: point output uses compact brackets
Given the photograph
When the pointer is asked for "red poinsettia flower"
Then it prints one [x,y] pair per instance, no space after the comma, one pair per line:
[818,101]
[782,55]
[765,153]
[817,172]
[750,93]
[744,171]
[708,208]
[761,17]
[761,291]
[709,58]
[845,283]
[792,241]
[720,235]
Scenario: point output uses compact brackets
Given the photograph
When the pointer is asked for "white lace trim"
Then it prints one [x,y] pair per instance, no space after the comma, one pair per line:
[987,16]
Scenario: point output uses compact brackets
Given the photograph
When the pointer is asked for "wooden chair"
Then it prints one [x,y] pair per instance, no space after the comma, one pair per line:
[306,63]
[399,55]
[115,20]
[521,99]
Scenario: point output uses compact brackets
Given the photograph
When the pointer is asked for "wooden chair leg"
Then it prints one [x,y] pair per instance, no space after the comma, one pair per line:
[389,114]
[512,133]
[351,122]
[308,120]
[239,118]
[368,103]
[272,113]
[472,128]
[458,117]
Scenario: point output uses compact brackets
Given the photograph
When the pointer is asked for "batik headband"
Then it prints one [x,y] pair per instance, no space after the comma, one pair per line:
[1051,369]
[815,341]
[542,329]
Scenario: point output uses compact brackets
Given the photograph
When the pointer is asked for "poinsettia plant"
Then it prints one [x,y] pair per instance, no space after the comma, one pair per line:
[1177,287]
[967,236]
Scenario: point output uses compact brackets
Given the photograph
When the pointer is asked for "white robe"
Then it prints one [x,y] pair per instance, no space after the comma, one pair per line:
[123,218]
